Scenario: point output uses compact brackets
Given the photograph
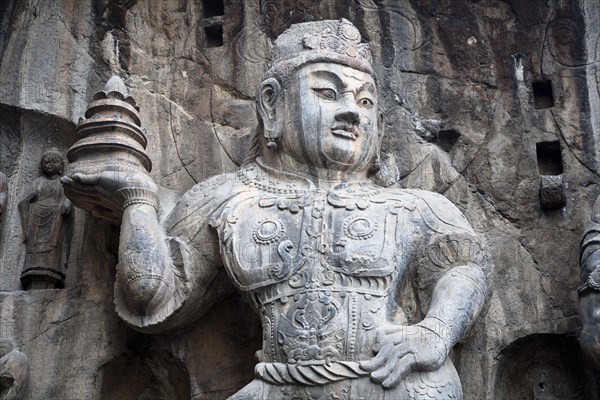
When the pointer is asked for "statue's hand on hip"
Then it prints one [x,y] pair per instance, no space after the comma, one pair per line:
[403,350]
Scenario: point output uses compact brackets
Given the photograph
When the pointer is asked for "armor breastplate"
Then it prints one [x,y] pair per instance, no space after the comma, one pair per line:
[318,266]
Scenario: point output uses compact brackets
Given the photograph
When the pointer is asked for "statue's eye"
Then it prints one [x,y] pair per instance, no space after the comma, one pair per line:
[326,93]
[365,102]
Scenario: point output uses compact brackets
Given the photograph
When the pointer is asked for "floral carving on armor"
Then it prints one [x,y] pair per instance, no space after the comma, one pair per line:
[313,276]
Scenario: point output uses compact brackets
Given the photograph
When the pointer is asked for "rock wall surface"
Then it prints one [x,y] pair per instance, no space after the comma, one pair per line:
[483,100]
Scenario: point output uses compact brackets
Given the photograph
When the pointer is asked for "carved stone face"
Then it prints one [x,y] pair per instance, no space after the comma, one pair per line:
[330,117]
[52,163]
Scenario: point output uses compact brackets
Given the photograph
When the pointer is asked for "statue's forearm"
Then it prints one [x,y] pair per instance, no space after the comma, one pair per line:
[457,299]
[144,268]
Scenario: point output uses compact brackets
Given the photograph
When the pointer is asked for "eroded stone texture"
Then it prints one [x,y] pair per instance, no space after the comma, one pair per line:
[461,119]
[550,367]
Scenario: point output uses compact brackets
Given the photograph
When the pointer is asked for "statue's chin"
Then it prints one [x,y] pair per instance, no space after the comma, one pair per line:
[332,156]
[344,158]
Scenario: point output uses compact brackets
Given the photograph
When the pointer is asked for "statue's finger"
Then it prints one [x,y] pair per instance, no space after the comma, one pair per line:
[392,329]
[397,338]
[72,187]
[403,368]
[396,354]
[85,179]
[379,360]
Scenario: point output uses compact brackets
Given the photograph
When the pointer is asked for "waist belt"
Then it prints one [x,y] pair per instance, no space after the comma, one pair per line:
[311,374]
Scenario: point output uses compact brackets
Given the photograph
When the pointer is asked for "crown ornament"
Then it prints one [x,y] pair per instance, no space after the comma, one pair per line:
[345,41]
[330,41]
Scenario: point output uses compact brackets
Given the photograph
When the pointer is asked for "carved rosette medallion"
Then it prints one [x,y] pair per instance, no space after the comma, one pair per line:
[360,227]
[268,231]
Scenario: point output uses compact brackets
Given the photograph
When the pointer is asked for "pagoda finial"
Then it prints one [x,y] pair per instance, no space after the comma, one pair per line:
[116,84]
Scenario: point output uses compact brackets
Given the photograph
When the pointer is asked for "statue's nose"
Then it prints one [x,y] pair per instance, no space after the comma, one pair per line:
[347,114]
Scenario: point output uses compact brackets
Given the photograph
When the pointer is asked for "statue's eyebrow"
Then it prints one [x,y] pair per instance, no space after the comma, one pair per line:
[324,74]
[368,86]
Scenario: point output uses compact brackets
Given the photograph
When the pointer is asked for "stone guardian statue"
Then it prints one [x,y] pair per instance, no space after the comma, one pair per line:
[321,252]
[14,372]
[589,288]
[45,212]
[3,194]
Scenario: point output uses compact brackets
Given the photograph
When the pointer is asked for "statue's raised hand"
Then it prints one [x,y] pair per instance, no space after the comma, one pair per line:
[403,350]
[103,190]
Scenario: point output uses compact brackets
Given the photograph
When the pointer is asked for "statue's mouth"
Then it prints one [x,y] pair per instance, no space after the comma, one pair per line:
[344,131]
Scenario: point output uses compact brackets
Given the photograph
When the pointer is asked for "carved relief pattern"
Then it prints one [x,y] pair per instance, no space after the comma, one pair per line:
[320,271]
[565,38]
[308,393]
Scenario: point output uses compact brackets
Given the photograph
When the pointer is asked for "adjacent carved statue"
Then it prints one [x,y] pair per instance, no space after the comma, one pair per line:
[3,194]
[14,371]
[322,253]
[589,288]
[45,212]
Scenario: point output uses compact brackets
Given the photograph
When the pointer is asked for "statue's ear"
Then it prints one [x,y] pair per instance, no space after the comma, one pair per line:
[268,96]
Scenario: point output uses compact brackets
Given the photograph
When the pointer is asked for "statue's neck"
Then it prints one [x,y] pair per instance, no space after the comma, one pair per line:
[52,176]
[323,178]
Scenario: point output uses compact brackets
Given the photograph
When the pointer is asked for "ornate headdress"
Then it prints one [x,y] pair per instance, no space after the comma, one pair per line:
[320,41]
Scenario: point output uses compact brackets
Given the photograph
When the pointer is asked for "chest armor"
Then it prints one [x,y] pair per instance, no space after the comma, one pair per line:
[318,266]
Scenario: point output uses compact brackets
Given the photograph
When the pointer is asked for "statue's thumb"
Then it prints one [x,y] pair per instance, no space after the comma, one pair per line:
[85,179]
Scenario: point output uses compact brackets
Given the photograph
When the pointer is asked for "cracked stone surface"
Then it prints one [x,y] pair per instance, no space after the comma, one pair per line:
[462,119]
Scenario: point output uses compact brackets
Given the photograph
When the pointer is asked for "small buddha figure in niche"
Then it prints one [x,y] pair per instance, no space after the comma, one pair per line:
[321,253]
[45,219]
